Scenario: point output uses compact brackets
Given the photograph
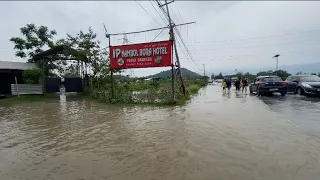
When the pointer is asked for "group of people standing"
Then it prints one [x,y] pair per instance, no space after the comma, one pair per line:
[241,82]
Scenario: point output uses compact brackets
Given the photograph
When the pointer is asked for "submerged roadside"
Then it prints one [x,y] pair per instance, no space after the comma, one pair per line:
[141,93]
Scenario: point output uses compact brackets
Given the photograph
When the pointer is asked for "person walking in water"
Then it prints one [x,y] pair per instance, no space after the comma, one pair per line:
[228,82]
[244,83]
[237,84]
[224,85]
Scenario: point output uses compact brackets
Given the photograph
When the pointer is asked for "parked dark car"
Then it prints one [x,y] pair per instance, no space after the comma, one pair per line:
[304,84]
[268,85]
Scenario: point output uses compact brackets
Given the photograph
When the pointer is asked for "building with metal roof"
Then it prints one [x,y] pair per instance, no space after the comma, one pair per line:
[9,71]
[16,65]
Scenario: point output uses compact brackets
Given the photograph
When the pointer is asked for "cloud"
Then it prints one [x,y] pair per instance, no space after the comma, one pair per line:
[223,37]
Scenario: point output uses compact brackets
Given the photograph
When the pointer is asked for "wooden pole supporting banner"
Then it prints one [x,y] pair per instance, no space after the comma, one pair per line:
[172,76]
[111,70]
[112,86]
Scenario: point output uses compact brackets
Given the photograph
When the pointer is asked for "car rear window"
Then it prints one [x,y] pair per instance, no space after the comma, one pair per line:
[272,79]
[310,79]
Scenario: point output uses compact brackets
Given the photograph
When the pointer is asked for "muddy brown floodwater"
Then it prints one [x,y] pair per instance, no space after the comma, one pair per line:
[215,136]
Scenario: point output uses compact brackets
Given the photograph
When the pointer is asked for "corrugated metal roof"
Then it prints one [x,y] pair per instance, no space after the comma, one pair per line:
[16,65]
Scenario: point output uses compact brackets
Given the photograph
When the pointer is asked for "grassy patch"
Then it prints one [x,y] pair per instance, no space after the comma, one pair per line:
[139,104]
[193,89]
[157,94]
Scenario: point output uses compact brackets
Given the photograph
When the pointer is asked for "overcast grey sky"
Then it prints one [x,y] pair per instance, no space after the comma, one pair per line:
[227,35]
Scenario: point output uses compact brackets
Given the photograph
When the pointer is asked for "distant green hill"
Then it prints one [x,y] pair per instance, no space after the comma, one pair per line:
[166,74]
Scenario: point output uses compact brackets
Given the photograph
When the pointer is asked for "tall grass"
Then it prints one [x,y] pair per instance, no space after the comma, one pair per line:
[154,92]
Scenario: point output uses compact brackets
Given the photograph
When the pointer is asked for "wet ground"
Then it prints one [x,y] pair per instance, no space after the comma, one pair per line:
[215,136]
[302,111]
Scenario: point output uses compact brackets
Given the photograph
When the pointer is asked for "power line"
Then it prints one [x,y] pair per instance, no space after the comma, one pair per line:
[187,50]
[176,5]
[179,35]
[178,11]
[252,56]
[162,8]
[162,18]
[189,59]
[148,12]
[148,30]
[157,35]
[260,45]
[175,14]
[263,37]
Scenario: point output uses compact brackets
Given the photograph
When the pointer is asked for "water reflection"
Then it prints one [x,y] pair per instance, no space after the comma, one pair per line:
[226,94]
[303,111]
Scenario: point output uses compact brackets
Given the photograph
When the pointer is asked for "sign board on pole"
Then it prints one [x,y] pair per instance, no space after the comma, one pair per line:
[145,55]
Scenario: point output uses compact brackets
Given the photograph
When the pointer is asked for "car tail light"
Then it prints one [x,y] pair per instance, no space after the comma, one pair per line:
[261,84]
[284,84]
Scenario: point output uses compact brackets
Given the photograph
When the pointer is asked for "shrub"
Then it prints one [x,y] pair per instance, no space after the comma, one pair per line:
[31,76]
[194,88]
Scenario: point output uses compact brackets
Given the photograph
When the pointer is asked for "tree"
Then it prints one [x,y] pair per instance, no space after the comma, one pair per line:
[31,76]
[265,73]
[71,71]
[220,76]
[283,74]
[97,59]
[239,74]
[249,76]
[212,76]
[86,43]
[101,64]
[35,40]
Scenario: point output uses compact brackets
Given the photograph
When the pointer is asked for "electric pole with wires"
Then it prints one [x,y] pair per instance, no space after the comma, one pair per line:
[204,71]
[172,37]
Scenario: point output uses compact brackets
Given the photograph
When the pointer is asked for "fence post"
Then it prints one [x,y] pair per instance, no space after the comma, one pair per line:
[15,78]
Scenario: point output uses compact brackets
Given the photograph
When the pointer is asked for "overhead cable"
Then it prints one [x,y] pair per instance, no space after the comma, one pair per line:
[148,13]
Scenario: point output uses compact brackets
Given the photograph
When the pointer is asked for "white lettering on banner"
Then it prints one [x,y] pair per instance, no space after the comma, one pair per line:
[144,59]
[116,53]
[131,60]
[129,53]
[131,64]
[146,52]
[156,51]
[159,51]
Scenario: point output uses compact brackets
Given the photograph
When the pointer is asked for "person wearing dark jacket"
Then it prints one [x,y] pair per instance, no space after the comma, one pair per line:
[244,83]
[237,84]
[228,84]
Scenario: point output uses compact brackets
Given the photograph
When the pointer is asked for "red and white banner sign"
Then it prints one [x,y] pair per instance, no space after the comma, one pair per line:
[154,54]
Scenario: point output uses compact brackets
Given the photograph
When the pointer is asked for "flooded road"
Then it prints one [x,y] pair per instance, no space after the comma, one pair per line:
[216,136]
[302,111]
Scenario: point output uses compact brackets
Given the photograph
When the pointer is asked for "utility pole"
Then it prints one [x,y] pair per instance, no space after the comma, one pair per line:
[204,71]
[276,56]
[171,26]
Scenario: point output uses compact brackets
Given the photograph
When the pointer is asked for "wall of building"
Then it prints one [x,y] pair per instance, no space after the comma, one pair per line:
[7,77]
